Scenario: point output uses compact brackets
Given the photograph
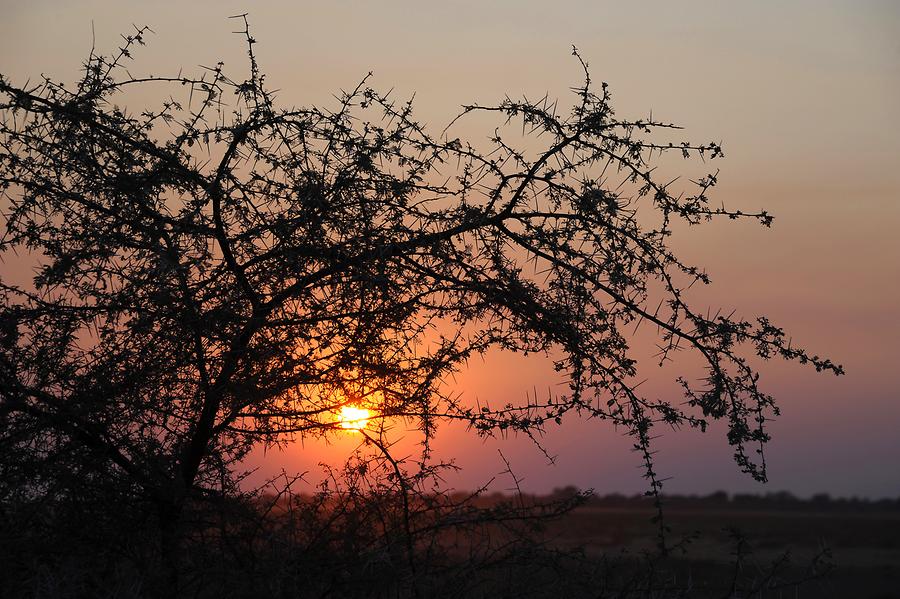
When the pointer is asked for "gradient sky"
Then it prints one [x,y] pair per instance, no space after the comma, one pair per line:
[803,96]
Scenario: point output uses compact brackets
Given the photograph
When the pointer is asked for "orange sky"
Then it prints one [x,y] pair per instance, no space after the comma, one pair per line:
[803,97]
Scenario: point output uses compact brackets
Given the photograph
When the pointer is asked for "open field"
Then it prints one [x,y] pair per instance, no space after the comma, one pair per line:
[862,539]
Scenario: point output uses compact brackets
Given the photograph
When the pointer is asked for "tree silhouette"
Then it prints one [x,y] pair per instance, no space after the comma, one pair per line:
[222,272]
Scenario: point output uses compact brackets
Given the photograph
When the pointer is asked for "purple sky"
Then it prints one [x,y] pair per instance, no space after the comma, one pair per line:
[803,97]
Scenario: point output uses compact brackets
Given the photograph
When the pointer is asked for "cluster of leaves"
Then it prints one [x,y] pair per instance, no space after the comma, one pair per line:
[222,272]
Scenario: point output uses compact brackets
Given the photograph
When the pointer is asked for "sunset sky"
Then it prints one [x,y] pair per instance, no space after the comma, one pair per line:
[803,96]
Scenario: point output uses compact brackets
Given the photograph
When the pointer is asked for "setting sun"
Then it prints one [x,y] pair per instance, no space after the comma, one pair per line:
[353,418]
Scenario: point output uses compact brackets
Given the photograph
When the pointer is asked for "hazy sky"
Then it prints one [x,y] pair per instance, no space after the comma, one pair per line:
[803,96]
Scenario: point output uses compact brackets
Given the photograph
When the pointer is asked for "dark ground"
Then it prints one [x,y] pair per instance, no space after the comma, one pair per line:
[862,540]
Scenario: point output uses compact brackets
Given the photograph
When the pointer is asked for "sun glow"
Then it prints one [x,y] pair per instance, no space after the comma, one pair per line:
[353,418]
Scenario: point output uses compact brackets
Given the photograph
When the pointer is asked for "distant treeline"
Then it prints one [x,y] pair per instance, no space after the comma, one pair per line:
[575,497]
[721,499]
[778,500]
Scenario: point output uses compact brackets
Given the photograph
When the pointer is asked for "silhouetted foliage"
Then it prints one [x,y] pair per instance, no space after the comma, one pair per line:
[222,272]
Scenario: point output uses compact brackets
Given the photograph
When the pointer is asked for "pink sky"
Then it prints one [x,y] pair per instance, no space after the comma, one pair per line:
[803,97]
